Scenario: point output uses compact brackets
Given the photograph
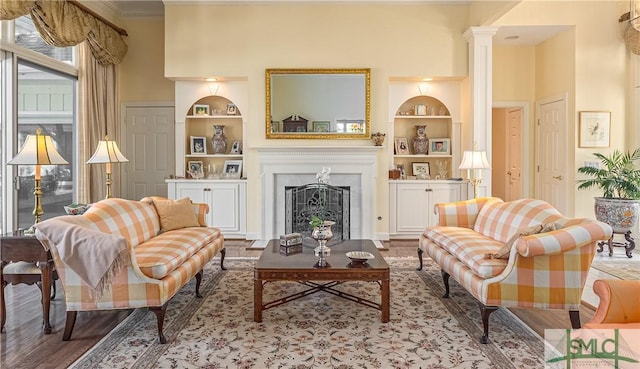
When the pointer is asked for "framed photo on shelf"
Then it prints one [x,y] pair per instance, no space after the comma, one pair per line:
[232,168]
[195,169]
[200,109]
[321,126]
[275,126]
[231,109]
[439,146]
[198,145]
[421,170]
[236,148]
[594,128]
[402,146]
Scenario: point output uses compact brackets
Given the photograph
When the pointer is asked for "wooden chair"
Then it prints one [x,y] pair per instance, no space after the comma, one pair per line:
[24,272]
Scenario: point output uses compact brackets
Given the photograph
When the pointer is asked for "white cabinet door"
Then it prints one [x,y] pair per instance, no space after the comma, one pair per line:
[226,208]
[226,199]
[412,207]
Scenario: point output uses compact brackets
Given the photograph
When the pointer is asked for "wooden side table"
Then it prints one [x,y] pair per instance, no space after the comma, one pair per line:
[16,247]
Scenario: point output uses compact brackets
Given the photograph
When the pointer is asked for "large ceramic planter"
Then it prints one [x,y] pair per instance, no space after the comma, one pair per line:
[620,214]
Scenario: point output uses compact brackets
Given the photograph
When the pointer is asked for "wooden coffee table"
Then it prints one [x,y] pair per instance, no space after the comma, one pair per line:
[273,266]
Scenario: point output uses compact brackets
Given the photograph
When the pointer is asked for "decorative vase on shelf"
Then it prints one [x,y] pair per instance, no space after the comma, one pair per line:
[420,142]
[378,138]
[219,140]
[322,233]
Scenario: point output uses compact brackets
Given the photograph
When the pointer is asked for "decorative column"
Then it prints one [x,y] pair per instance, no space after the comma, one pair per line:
[480,43]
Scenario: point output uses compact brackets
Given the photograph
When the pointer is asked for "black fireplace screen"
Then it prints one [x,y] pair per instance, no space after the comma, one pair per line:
[325,201]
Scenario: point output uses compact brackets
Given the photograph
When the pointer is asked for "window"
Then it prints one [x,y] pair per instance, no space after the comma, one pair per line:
[38,89]
[46,100]
[27,36]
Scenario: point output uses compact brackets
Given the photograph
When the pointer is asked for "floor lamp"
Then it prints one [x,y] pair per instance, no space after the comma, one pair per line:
[38,150]
[107,152]
[474,162]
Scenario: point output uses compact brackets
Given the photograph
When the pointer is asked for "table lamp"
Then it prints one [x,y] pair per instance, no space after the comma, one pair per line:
[474,162]
[107,152]
[38,150]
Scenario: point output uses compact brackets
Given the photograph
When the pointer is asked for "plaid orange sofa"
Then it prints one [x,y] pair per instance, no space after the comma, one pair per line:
[156,264]
[541,271]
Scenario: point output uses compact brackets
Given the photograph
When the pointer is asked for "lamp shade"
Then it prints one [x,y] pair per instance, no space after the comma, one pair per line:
[38,149]
[107,152]
[474,160]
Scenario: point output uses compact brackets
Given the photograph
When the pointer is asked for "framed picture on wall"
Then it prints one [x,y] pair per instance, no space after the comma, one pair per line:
[594,128]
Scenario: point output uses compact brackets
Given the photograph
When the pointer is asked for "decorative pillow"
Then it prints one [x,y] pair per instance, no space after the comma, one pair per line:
[175,214]
[504,251]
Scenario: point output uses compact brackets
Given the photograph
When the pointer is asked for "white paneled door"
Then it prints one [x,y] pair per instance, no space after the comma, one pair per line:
[551,154]
[148,137]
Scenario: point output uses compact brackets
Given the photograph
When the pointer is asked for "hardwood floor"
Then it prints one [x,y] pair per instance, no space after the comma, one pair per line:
[23,345]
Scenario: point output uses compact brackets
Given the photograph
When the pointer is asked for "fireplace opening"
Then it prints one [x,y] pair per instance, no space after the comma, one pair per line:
[302,202]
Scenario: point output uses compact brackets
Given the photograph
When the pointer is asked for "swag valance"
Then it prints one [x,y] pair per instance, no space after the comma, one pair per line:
[62,24]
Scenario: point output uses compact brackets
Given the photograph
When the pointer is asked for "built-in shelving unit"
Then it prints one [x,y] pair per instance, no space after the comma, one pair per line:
[411,199]
[225,195]
[438,128]
[203,126]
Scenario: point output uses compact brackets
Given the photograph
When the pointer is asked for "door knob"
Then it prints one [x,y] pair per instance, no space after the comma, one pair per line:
[428,189]
[559,178]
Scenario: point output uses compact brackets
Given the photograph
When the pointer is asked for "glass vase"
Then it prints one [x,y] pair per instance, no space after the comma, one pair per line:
[219,140]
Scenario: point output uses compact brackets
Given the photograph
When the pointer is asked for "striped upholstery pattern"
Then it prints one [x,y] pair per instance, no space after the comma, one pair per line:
[134,220]
[502,220]
[469,247]
[131,287]
[461,213]
[164,253]
[544,271]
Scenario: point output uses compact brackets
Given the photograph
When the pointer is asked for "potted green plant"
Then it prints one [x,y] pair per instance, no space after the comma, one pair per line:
[618,176]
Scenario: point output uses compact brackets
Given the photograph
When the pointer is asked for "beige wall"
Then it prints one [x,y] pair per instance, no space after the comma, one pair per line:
[142,70]
[409,40]
[241,41]
[587,62]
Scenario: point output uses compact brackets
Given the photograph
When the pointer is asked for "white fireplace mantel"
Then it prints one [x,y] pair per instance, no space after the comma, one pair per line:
[305,161]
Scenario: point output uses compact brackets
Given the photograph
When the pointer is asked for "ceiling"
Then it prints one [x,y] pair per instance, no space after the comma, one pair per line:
[525,35]
[505,36]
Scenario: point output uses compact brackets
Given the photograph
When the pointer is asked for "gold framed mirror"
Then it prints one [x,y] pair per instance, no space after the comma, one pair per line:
[318,103]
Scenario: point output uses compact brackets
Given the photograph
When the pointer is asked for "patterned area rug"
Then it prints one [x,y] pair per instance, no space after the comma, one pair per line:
[320,330]
[624,269]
